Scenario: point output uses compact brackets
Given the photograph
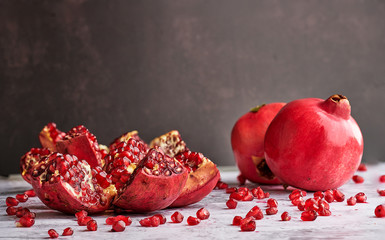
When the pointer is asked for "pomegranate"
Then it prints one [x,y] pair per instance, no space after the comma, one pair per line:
[50,135]
[203,173]
[64,183]
[247,141]
[314,144]
[155,183]
[30,159]
[125,137]
[83,144]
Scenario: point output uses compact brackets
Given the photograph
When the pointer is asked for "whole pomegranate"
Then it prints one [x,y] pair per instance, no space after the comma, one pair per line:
[314,144]
[247,139]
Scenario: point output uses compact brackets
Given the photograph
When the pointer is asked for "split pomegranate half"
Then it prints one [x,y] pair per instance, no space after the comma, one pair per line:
[30,159]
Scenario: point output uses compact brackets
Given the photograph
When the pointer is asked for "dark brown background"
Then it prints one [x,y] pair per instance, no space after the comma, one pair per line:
[195,66]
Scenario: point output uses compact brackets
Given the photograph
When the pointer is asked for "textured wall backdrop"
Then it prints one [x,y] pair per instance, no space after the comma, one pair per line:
[195,66]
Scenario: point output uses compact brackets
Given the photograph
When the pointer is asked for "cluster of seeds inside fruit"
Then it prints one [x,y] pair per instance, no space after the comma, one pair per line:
[171,143]
[190,160]
[82,130]
[54,133]
[31,158]
[156,163]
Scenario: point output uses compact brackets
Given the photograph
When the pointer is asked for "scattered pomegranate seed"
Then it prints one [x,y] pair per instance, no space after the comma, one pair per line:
[361,197]
[380,211]
[248,226]
[237,220]
[237,196]
[11,201]
[52,233]
[21,211]
[30,193]
[318,194]
[110,220]
[271,210]
[177,217]
[258,193]
[362,167]
[222,185]
[231,203]
[22,197]
[11,210]
[83,221]
[30,214]
[338,195]
[203,214]
[162,218]
[381,192]
[297,201]
[301,206]
[309,215]
[241,179]
[146,222]
[267,194]
[358,179]
[322,211]
[329,198]
[193,221]
[127,220]
[382,178]
[150,222]
[351,201]
[25,221]
[285,216]
[231,190]
[255,213]
[118,226]
[248,197]
[68,232]
[311,204]
[92,225]
[81,214]
[272,202]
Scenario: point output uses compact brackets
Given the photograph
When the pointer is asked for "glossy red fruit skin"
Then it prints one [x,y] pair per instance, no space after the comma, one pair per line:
[247,141]
[314,134]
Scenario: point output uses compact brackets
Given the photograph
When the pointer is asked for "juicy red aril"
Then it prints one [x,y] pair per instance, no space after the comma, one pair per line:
[237,220]
[358,179]
[118,226]
[301,206]
[271,210]
[297,201]
[296,193]
[146,222]
[380,211]
[351,201]
[285,216]
[255,213]
[11,201]
[193,221]
[21,212]
[231,203]
[25,221]
[30,215]
[11,210]
[318,194]
[329,198]
[382,178]
[30,193]
[258,193]
[231,190]
[309,215]
[84,220]
[81,214]
[237,196]
[362,167]
[248,197]
[248,226]
[322,211]
[52,233]
[161,217]
[361,197]
[68,232]
[127,220]
[22,197]
[221,185]
[150,222]
[203,214]
[381,192]
[338,195]
[177,217]
[311,204]
[272,202]
[92,225]
[241,179]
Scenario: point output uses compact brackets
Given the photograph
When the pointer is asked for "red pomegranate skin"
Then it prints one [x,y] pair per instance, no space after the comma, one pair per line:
[247,141]
[314,144]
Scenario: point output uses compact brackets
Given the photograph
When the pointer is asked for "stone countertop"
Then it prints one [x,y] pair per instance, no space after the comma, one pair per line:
[346,222]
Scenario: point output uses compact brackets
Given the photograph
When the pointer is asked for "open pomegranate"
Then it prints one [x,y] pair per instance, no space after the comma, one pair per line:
[247,141]
[80,142]
[64,183]
[30,159]
[155,183]
[314,144]
[50,135]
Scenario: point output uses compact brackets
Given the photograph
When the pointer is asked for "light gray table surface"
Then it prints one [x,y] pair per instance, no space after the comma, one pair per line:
[346,222]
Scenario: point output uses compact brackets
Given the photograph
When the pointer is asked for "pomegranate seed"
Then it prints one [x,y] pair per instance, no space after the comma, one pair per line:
[271,210]
[322,211]
[241,179]
[222,185]
[338,195]
[309,215]
[358,179]
[25,221]
[92,225]
[145,222]
[380,211]
[381,192]
[30,214]
[22,197]
[231,190]
[203,214]
[52,233]
[258,193]
[11,201]
[81,214]
[162,218]
[177,217]
[83,221]
[248,197]
[267,194]
[118,226]
[110,220]
[248,226]
[329,198]
[255,213]
[351,201]
[11,210]
[30,193]
[318,194]
[361,197]
[193,221]
[324,204]
[231,203]
[301,206]
[21,212]
[150,222]
[285,216]
[382,178]
[272,202]
[237,220]
[127,220]
[297,201]
[362,167]
[155,221]
[237,196]
[311,204]
[68,232]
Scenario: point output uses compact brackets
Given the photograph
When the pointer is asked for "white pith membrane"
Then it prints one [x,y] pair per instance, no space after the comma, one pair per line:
[171,143]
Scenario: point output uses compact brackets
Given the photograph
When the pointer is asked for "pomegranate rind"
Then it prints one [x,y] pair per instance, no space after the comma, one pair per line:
[199,184]
[47,140]
[171,143]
